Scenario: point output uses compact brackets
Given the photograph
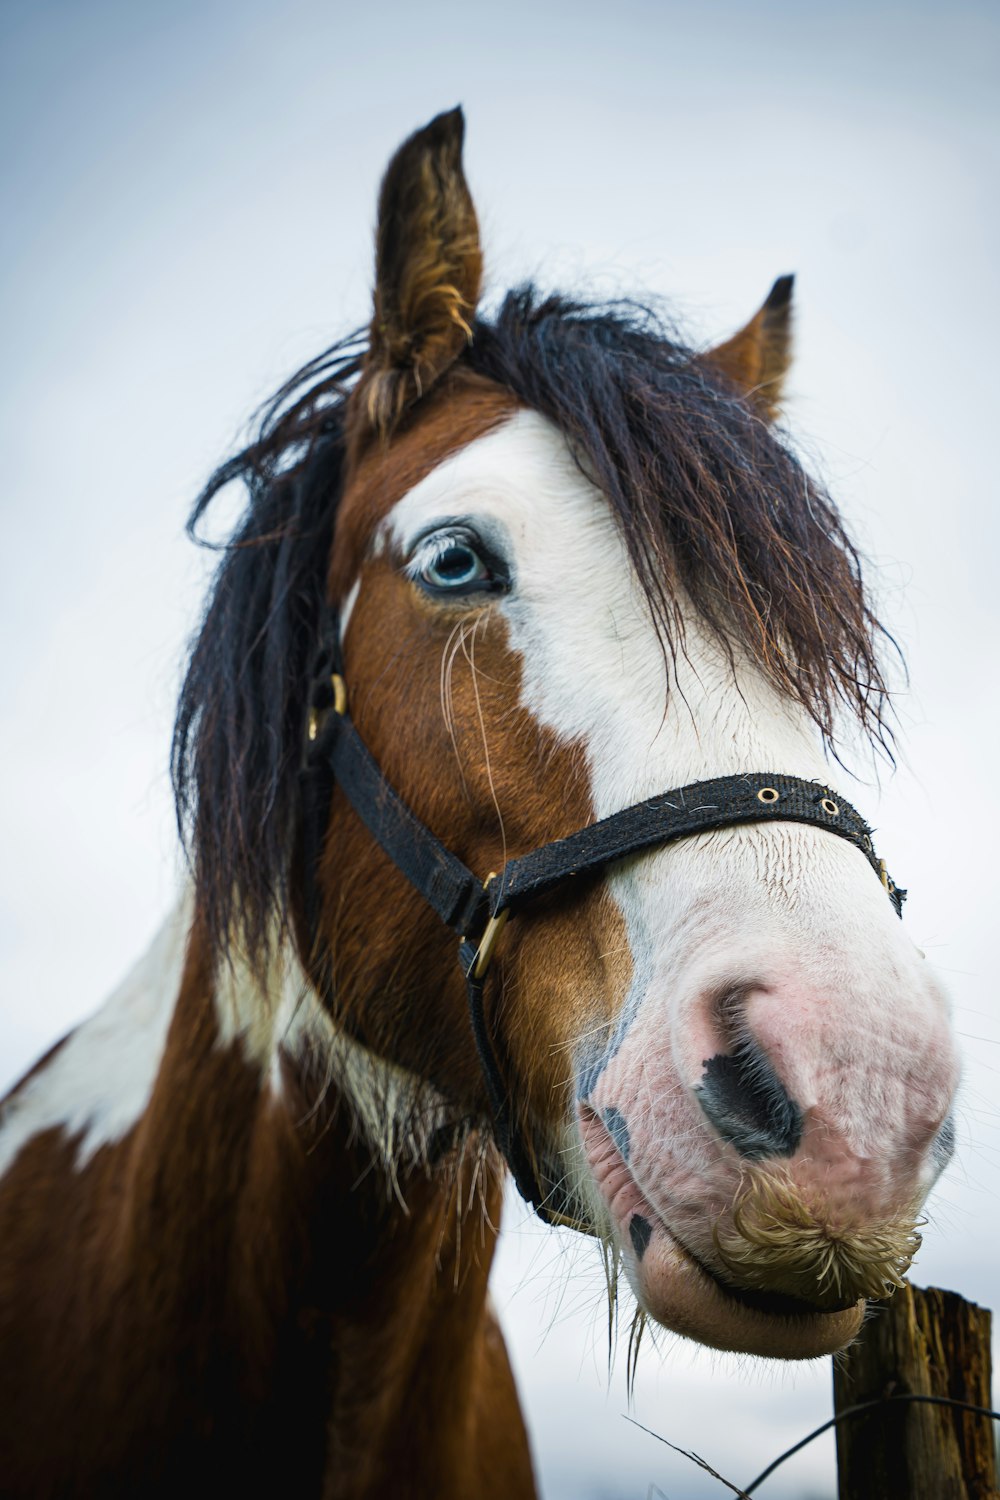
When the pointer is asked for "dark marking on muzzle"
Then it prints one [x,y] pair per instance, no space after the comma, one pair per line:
[592,1066]
[943,1148]
[614,1120]
[746,1103]
[640,1233]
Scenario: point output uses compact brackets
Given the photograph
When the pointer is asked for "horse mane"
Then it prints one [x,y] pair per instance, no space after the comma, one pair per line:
[238,734]
[708,498]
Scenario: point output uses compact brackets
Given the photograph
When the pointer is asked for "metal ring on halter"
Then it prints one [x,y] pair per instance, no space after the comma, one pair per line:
[339,689]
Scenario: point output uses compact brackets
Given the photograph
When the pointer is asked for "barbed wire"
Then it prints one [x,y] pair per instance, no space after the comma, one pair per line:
[848,1413]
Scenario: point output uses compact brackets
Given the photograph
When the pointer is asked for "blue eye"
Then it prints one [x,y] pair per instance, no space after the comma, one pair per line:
[456,563]
[455,566]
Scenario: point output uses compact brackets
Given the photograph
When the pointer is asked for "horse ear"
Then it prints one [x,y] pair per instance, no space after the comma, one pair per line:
[428,268]
[757,358]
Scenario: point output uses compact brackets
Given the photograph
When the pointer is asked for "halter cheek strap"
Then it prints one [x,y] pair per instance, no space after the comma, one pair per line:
[477,910]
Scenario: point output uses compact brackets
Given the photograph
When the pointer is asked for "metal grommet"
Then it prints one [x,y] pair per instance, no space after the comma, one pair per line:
[768,794]
[829,806]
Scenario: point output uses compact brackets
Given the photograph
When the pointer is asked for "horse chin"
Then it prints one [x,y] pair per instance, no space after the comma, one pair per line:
[677,1290]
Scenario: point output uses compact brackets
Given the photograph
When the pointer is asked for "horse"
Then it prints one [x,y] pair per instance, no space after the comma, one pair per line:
[530,647]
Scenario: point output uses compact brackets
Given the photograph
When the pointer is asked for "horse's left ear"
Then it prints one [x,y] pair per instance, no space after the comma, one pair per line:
[757,358]
[428,268]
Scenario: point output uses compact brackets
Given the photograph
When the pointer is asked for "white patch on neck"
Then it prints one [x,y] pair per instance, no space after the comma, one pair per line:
[99,1083]
[392,1110]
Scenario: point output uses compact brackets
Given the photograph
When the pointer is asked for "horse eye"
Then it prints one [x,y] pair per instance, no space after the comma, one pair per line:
[455,567]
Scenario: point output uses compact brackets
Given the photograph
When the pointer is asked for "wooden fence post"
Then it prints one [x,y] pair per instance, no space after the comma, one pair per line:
[937,1344]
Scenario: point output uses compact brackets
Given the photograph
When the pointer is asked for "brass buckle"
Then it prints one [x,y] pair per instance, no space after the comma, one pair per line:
[339,704]
[488,941]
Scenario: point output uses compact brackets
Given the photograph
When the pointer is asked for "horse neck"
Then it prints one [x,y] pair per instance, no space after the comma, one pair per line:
[302,1127]
[240,1234]
[387,1256]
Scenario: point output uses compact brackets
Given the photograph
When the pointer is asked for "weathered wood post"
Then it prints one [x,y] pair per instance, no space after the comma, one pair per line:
[936,1344]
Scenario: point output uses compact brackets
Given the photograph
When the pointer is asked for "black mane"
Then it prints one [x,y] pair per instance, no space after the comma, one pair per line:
[706,495]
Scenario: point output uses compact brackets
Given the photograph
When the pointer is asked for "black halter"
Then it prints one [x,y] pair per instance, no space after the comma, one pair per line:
[476,909]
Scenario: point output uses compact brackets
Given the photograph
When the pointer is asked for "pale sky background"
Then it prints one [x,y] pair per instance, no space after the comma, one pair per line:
[186,202]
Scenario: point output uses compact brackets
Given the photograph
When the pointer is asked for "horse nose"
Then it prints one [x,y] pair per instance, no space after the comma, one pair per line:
[837,1223]
[781,1064]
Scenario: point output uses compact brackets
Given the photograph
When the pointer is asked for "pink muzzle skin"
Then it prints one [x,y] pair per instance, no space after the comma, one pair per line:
[678,1292]
[672,1116]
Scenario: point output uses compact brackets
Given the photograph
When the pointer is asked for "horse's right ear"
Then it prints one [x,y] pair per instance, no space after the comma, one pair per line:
[756,359]
[428,268]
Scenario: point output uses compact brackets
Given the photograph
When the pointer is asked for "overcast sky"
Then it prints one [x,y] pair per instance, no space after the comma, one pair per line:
[186,211]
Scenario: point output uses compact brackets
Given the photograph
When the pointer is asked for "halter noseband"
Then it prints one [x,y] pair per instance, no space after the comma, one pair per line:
[477,910]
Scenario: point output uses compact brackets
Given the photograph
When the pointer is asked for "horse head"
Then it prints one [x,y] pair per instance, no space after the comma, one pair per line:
[568,565]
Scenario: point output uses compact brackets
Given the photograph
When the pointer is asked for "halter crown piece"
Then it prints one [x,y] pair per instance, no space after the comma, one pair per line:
[477,910]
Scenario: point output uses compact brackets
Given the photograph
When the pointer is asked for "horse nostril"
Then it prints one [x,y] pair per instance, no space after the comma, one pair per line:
[747,1104]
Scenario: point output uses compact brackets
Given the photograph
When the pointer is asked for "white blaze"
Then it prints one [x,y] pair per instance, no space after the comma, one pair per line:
[593,671]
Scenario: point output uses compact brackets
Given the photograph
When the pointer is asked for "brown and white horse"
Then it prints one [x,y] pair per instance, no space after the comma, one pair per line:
[247,1211]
